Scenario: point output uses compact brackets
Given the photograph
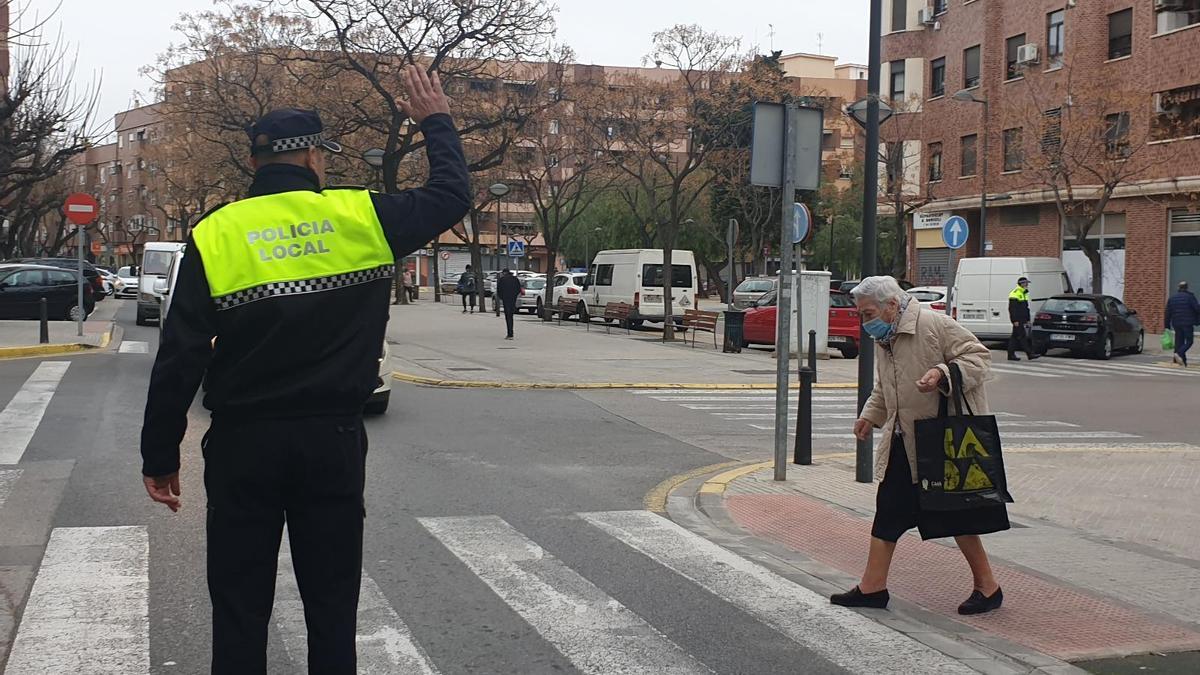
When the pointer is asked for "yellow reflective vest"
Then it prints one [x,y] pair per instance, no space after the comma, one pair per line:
[1019,294]
[292,243]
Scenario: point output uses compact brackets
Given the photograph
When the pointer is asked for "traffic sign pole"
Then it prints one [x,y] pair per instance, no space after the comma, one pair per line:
[955,232]
[81,209]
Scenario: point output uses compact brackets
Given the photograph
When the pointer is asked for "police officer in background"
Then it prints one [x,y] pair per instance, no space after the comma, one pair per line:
[294,281]
[1019,315]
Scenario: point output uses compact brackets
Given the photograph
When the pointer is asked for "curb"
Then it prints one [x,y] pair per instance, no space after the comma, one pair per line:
[26,351]
[473,384]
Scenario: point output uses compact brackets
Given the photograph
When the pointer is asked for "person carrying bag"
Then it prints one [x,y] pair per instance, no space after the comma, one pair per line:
[960,466]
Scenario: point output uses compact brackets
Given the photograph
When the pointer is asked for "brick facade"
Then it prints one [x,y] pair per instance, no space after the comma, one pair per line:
[1162,59]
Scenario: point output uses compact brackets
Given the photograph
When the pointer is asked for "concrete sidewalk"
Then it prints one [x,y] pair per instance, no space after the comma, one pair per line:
[439,342]
[1075,589]
[21,338]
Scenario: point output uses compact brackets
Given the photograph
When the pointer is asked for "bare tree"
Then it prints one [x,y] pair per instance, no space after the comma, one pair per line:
[1080,142]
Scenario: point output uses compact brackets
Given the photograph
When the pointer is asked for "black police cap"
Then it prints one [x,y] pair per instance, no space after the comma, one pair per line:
[288,129]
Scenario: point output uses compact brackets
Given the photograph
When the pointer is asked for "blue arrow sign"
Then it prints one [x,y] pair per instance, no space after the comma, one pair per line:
[955,232]
[801,222]
[516,249]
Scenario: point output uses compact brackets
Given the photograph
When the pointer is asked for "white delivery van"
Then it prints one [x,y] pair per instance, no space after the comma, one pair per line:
[635,277]
[981,287]
[157,257]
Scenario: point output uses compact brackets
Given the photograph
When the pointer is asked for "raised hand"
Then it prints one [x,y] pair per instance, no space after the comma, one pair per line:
[425,95]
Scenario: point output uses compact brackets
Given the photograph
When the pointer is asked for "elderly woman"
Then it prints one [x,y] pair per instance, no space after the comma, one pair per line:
[914,348]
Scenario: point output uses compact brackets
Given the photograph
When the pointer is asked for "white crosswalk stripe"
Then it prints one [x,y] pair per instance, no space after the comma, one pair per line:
[842,636]
[385,644]
[21,417]
[134,347]
[88,611]
[1054,368]
[594,631]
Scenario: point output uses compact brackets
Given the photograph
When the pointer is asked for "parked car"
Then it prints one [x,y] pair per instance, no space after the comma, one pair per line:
[111,282]
[489,283]
[751,289]
[157,257]
[933,297]
[23,286]
[982,285]
[1097,325]
[847,286]
[635,277]
[843,322]
[532,289]
[129,282]
[570,284]
[89,270]
[378,403]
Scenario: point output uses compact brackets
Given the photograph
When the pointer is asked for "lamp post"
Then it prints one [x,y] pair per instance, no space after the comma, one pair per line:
[498,191]
[966,96]
[587,248]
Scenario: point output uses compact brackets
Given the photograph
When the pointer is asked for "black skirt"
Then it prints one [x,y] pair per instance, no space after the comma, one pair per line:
[898,507]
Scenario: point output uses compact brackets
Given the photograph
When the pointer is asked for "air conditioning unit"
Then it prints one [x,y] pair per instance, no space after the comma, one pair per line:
[1027,54]
[1168,5]
[1162,108]
[925,16]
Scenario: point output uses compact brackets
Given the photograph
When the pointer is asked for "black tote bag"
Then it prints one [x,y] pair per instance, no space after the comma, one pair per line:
[960,465]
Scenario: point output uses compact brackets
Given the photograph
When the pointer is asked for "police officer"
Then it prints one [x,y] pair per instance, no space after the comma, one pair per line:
[1018,314]
[294,283]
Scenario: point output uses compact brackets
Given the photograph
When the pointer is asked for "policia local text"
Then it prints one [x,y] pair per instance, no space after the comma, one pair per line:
[294,231]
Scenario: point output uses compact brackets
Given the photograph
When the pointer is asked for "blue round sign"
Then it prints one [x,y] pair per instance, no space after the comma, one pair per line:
[955,232]
[801,222]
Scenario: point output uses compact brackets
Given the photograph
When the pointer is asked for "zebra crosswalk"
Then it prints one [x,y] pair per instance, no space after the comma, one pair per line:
[89,609]
[1058,368]
[834,412]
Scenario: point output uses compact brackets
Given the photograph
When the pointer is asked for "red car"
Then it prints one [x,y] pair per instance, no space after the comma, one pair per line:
[843,323]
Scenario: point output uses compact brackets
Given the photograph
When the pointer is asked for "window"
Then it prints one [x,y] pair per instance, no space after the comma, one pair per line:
[554,128]
[828,141]
[1013,156]
[82,178]
[482,86]
[1120,34]
[141,135]
[604,275]
[899,15]
[967,167]
[896,86]
[1178,14]
[60,278]
[1052,131]
[1055,38]
[935,162]
[940,7]
[1116,134]
[1011,47]
[103,177]
[24,278]
[971,67]
[937,78]
[1178,113]
[552,161]
[652,276]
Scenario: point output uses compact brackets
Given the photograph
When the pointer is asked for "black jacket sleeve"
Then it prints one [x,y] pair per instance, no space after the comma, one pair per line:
[183,356]
[416,217]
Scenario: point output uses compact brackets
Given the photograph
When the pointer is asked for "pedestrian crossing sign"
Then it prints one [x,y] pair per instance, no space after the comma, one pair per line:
[516,249]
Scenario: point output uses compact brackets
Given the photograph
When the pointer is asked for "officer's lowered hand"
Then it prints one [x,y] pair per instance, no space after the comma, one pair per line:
[425,95]
[164,489]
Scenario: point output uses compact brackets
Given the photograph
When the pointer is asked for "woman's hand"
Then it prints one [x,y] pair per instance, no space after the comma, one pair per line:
[862,429]
[931,381]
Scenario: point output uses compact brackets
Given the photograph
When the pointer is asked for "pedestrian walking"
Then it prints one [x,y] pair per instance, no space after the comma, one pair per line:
[409,286]
[299,308]
[1182,316]
[508,289]
[466,288]
[1019,315]
[914,349]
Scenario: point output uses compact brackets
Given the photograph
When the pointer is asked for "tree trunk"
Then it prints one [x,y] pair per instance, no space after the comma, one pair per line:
[434,276]
[668,274]
[1092,251]
[548,289]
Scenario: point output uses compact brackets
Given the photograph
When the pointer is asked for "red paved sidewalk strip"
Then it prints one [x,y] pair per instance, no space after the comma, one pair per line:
[1054,619]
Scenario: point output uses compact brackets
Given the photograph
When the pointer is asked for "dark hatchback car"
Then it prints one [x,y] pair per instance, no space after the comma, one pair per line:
[89,270]
[23,286]
[1095,325]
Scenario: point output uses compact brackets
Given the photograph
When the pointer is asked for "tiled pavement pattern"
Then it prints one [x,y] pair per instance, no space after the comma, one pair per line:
[1051,617]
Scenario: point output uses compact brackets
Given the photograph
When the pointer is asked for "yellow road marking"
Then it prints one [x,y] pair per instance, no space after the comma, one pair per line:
[717,484]
[656,499]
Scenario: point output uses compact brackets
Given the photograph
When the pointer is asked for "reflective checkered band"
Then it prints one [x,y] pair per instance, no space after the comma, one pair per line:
[281,288]
[296,143]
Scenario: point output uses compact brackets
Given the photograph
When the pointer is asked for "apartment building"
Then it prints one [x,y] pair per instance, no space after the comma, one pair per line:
[1048,59]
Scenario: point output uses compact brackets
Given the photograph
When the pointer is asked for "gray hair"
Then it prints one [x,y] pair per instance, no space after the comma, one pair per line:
[880,289]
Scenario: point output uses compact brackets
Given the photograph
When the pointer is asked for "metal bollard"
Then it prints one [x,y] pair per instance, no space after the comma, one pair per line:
[44,314]
[812,353]
[803,452]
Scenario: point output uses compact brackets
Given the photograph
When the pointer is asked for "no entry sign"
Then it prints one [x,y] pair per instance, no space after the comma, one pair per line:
[81,208]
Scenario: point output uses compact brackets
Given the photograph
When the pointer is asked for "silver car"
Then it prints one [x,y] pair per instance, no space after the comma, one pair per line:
[752,289]
[532,289]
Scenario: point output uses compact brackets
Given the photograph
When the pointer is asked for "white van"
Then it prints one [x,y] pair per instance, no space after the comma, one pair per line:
[157,258]
[635,277]
[981,287]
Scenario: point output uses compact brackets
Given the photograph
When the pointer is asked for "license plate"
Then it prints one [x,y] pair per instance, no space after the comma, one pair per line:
[837,338]
[1061,337]
[974,315]
[654,298]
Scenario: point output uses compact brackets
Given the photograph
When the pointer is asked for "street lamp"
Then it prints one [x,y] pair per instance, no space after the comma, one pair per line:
[967,96]
[498,191]
[587,248]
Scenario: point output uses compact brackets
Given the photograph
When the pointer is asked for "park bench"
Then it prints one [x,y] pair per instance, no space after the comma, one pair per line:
[698,320]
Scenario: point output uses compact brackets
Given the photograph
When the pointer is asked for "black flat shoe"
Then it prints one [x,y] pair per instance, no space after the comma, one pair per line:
[1014,358]
[978,603]
[856,598]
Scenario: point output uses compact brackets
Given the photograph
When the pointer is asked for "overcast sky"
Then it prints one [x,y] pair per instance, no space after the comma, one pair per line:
[117,37]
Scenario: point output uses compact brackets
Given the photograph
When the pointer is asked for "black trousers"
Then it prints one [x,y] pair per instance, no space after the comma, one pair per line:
[509,310]
[259,474]
[1019,340]
[464,299]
